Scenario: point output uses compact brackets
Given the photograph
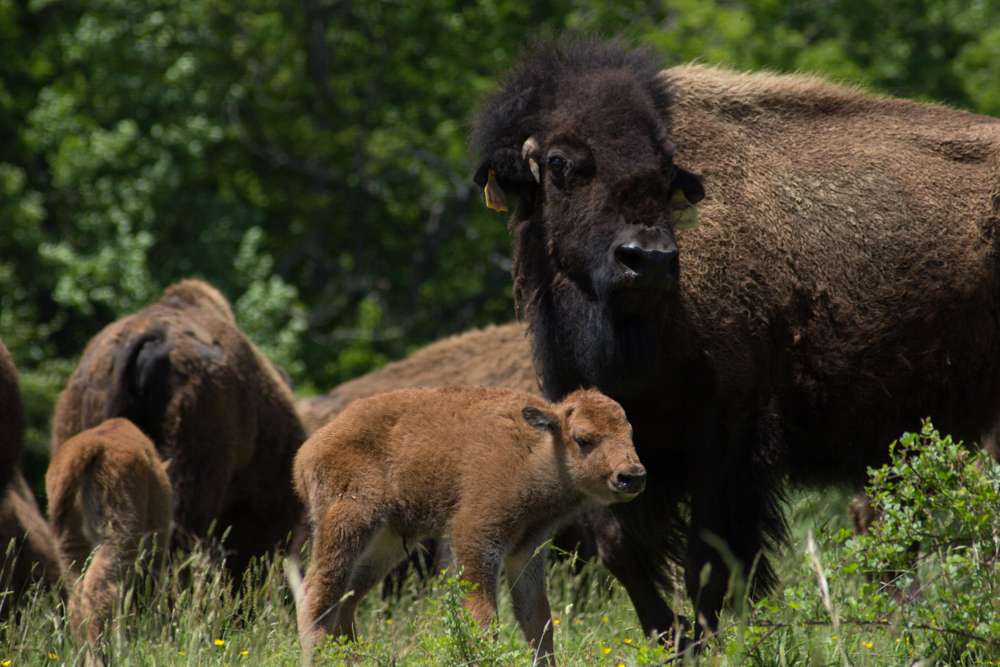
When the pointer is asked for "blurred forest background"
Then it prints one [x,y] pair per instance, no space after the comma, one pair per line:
[309,157]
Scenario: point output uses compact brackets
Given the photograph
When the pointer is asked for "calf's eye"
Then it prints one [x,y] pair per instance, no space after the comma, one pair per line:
[584,443]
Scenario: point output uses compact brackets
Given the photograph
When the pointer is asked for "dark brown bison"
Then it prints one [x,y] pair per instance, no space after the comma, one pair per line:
[842,283]
[496,356]
[495,470]
[34,557]
[11,418]
[216,408]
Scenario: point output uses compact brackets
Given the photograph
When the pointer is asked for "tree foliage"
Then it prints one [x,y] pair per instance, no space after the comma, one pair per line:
[309,157]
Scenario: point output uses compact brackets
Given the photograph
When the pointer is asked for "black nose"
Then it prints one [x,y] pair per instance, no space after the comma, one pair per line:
[630,480]
[649,260]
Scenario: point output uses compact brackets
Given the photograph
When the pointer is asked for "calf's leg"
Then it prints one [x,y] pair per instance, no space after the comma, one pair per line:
[385,550]
[479,557]
[339,538]
[526,579]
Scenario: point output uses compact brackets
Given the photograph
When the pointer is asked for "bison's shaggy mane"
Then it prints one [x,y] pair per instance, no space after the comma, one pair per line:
[517,109]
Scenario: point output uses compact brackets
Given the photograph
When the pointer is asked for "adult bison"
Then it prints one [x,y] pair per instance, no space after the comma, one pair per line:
[842,283]
[34,557]
[497,356]
[215,407]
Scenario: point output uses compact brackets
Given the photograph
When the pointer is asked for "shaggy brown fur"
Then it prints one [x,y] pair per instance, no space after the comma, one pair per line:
[182,371]
[109,495]
[494,470]
[842,283]
[497,356]
[11,418]
[34,557]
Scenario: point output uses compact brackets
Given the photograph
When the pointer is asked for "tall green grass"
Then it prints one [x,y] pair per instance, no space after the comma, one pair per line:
[831,608]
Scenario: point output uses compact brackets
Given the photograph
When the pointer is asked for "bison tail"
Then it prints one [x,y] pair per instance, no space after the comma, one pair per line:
[141,381]
[63,483]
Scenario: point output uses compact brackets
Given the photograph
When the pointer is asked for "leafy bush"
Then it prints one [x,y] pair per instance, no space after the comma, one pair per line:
[939,534]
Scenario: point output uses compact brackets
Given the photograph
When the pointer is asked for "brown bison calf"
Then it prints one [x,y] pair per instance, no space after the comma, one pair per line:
[108,495]
[183,372]
[493,470]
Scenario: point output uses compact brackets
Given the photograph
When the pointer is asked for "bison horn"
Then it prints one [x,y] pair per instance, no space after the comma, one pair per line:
[529,149]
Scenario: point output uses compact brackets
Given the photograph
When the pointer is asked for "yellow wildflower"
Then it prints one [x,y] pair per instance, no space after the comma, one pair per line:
[605,650]
[604,619]
[53,656]
[556,621]
[5,663]
[182,653]
[628,640]
[621,664]
[219,642]
[868,645]
[245,652]
[388,621]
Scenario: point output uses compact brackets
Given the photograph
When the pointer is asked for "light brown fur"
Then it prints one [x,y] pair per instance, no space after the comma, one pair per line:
[493,470]
[109,496]
[496,356]
[212,404]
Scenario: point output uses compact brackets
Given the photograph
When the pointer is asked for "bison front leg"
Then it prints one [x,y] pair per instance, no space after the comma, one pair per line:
[526,579]
[637,568]
[339,538]
[478,555]
[736,510]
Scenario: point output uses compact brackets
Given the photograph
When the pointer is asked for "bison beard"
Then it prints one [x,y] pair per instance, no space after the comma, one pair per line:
[842,284]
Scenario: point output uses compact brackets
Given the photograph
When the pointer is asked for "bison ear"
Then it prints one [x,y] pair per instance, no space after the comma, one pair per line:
[505,172]
[540,419]
[687,183]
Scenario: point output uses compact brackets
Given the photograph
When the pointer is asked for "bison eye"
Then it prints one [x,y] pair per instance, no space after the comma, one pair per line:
[556,163]
[585,443]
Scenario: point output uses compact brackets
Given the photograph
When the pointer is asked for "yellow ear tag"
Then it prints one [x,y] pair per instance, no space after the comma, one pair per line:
[495,199]
[685,214]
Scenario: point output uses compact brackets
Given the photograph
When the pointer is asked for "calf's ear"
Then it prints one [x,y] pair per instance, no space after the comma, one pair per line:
[540,419]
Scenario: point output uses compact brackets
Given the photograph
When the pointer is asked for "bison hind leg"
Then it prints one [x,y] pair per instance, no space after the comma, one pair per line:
[341,538]
[385,551]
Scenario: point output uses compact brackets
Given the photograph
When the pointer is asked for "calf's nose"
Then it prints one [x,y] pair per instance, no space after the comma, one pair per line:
[629,480]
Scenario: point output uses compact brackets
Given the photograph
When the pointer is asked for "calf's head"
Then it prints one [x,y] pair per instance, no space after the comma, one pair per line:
[577,138]
[593,441]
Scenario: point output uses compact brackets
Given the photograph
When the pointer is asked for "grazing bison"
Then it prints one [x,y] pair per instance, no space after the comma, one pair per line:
[495,470]
[33,557]
[11,418]
[843,282]
[213,405]
[108,496]
[497,356]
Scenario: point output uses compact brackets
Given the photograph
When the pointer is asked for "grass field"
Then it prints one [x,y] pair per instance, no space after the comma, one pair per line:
[193,618]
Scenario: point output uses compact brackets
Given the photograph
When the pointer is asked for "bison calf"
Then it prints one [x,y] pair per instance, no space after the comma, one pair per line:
[493,470]
[108,495]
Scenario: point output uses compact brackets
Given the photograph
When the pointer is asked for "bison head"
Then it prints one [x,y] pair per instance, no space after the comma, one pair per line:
[593,440]
[578,136]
